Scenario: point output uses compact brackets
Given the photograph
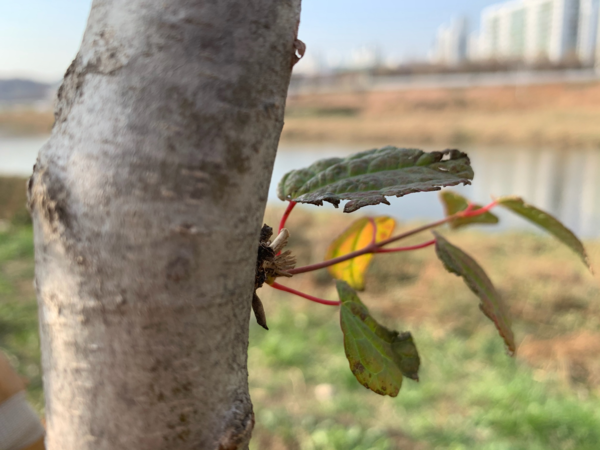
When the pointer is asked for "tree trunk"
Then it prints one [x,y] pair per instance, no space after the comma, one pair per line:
[147,204]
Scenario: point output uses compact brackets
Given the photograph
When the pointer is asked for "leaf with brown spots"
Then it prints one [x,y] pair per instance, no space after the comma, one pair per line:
[371,348]
[368,177]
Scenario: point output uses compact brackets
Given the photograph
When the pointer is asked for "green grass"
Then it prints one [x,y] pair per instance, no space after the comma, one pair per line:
[471,394]
[18,308]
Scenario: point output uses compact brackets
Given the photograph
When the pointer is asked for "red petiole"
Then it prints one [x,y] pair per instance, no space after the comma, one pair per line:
[469,213]
[306,296]
[286,214]
[405,249]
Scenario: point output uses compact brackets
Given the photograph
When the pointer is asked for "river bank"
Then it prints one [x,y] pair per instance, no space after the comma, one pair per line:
[557,115]
[20,121]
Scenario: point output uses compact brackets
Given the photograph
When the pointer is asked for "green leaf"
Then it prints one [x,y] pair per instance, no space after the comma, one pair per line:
[454,203]
[458,262]
[378,357]
[548,223]
[366,178]
[356,237]
[404,347]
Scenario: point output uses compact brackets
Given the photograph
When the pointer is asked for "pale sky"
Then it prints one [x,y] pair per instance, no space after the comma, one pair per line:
[39,38]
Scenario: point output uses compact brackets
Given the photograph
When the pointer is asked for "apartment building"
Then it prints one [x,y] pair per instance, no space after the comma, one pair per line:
[533,30]
[589,23]
[451,43]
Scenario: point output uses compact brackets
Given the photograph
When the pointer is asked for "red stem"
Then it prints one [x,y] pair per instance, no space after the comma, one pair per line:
[469,213]
[416,231]
[286,214]
[406,249]
[330,262]
[377,247]
[371,248]
[306,296]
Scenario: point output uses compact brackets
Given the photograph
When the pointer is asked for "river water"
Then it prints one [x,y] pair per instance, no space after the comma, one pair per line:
[565,183]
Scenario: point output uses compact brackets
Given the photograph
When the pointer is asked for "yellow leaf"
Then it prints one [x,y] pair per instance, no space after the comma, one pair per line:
[357,237]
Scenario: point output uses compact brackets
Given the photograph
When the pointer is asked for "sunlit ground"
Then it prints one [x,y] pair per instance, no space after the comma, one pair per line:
[471,394]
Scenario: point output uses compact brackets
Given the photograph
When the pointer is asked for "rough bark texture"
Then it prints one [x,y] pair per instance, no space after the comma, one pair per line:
[147,204]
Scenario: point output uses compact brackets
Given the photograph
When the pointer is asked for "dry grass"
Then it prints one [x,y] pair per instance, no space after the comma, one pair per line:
[25,122]
[559,115]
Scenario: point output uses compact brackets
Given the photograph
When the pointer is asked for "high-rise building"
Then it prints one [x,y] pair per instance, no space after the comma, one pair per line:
[589,21]
[474,46]
[532,30]
[451,43]
[598,45]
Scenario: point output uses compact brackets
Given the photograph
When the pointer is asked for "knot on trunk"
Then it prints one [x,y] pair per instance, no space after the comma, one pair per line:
[270,264]
[238,431]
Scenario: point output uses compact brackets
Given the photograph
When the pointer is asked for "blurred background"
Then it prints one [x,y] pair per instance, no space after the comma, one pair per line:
[514,84]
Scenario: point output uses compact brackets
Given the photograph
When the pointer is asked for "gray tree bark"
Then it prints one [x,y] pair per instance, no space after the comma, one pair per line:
[147,204]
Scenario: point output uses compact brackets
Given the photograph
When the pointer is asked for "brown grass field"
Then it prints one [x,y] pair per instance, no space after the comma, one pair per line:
[25,122]
[565,115]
